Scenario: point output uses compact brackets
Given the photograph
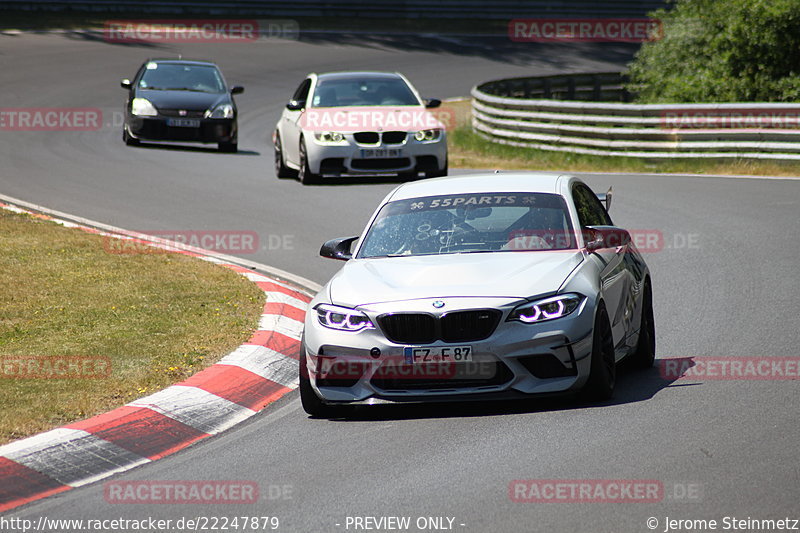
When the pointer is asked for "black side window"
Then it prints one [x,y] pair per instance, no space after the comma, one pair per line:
[301,94]
[590,211]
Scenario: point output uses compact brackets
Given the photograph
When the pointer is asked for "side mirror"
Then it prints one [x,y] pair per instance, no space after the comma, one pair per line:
[237,89]
[432,103]
[296,105]
[125,83]
[598,237]
[606,198]
[338,248]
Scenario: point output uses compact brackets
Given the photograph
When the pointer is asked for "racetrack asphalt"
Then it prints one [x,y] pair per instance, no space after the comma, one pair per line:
[724,285]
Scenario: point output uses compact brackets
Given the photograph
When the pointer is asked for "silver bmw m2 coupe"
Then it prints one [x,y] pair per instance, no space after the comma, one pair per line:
[489,286]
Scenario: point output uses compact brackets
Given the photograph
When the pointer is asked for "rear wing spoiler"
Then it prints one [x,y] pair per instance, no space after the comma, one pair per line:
[606,198]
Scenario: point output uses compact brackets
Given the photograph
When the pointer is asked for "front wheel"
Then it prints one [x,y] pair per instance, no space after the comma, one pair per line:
[228,147]
[603,367]
[437,173]
[281,170]
[128,138]
[306,176]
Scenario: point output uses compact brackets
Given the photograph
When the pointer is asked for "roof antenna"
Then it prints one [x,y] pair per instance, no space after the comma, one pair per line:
[496,171]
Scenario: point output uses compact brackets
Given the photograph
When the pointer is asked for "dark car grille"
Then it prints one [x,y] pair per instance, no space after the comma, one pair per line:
[458,326]
[176,113]
[380,164]
[372,137]
[394,137]
[413,328]
[366,137]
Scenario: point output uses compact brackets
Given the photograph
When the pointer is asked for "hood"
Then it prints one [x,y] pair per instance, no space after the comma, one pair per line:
[501,274]
[189,100]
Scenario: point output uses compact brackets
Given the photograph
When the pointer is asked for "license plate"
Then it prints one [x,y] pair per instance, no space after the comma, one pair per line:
[183,122]
[381,153]
[438,354]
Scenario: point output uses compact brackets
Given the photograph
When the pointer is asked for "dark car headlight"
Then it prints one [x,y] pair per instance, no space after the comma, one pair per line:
[221,111]
[342,318]
[546,309]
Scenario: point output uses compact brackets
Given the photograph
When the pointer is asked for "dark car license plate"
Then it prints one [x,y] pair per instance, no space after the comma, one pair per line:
[183,122]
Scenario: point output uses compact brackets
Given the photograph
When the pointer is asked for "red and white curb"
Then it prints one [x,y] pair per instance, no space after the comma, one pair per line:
[257,373]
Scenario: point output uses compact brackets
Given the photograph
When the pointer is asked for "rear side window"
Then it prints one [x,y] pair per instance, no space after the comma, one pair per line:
[590,211]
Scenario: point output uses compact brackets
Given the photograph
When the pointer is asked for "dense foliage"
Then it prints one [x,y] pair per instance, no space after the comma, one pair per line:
[722,51]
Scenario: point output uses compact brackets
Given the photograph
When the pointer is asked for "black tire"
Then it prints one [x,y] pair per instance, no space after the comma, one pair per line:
[437,173]
[312,404]
[645,354]
[306,176]
[130,141]
[603,373]
[230,148]
[281,170]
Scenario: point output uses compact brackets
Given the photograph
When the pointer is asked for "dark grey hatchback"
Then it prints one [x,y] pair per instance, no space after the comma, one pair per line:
[180,100]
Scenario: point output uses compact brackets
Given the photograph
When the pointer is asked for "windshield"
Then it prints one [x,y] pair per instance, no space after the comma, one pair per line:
[177,77]
[470,223]
[364,91]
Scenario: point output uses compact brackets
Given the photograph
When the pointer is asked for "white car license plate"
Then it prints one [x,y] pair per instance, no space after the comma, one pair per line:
[437,354]
[381,153]
[183,122]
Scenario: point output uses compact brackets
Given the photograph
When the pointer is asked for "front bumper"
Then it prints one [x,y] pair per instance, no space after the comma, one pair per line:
[516,359]
[158,128]
[356,158]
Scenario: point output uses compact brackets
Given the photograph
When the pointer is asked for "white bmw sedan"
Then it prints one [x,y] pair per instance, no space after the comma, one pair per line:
[357,123]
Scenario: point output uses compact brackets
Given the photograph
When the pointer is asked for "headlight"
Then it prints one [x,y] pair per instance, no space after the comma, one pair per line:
[331,137]
[143,108]
[427,135]
[342,318]
[547,309]
[221,111]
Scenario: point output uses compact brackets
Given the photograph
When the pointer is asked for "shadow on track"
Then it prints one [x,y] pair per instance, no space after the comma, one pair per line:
[189,148]
[633,385]
[496,48]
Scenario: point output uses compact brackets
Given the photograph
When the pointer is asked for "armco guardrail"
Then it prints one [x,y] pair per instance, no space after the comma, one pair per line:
[568,114]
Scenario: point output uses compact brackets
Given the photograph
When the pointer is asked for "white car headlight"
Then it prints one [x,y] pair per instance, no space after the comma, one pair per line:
[329,137]
[427,135]
[342,318]
[143,108]
[546,309]
[221,111]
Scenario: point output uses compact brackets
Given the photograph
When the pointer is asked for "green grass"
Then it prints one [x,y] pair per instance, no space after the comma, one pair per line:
[157,317]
